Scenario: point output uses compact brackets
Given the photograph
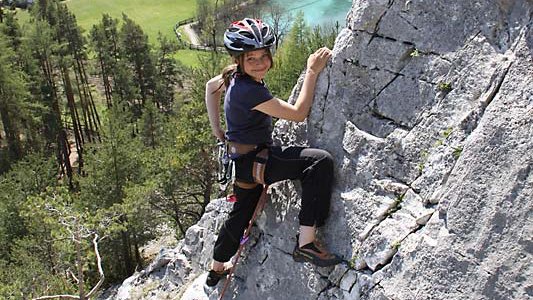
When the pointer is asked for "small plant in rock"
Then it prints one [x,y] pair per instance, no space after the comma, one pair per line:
[415,53]
[397,205]
[398,202]
[399,199]
[395,245]
[423,157]
[457,152]
[444,87]
[351,262]
[447,132]
[444,135]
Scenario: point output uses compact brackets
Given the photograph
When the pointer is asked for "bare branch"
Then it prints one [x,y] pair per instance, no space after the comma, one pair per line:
[73,276]
[94,289]
[100,269]
[57,297]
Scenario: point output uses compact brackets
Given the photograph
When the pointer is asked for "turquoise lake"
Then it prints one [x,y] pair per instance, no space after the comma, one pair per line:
[319,12]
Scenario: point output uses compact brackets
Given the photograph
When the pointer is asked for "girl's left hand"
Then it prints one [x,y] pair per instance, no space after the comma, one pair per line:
[318,60]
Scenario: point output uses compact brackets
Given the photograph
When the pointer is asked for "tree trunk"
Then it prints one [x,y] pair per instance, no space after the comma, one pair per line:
[152,132]
[11,132]
[86,128]
[138,258]
[177,216]
[107,86]
[126,252]
[64,155]
[62,151]
[142,85]
[78,139]
[92,113]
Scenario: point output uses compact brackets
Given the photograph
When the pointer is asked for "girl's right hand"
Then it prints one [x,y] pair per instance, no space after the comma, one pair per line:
[219,134]
[318,60]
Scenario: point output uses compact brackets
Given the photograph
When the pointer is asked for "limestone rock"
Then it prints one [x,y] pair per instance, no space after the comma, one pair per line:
[427,108]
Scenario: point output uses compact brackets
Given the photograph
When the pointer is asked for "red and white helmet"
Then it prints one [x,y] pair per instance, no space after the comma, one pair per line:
[248,35]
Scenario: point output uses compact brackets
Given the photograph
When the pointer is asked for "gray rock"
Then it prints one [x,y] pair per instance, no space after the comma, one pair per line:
[427,108]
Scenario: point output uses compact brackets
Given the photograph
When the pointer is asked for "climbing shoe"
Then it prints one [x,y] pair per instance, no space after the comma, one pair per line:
[213,277]
[316,254]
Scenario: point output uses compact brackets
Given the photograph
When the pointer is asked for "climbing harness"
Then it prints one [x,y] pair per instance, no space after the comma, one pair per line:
[245,237]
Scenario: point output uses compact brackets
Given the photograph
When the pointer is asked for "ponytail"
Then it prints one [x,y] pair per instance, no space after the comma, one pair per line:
[227,74]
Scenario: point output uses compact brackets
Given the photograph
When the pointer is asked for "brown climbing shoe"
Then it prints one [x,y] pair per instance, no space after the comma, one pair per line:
[213,277]
[316,254]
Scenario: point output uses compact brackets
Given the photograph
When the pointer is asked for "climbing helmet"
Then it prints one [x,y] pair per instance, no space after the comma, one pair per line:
[248,35]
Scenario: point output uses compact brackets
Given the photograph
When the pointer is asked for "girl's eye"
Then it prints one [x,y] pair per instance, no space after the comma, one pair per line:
[254,59]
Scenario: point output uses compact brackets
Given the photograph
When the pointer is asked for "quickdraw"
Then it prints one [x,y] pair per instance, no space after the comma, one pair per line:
[225,166]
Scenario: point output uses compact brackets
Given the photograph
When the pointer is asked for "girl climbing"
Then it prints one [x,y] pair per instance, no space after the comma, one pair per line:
[249,108]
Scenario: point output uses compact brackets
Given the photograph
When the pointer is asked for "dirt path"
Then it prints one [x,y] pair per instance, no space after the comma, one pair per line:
[191,33]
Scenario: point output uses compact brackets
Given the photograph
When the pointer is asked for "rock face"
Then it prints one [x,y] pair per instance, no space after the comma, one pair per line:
[427,108]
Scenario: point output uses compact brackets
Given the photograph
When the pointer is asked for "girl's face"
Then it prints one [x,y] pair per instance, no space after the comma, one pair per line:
[257,63]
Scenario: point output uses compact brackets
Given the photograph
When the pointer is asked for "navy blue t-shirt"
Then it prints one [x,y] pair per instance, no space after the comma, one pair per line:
[246,125]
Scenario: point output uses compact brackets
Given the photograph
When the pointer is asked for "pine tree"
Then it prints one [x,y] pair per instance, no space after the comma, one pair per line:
[45,10]
[58,46]
[182,171]
[12,90]
[16,186]
[71,34]
[45,50]
[12,31]
[291,57]
[104,41]
[194,140]
[111,167]
[72,56]
[168,73]
[136,50]
[151,124]
[125,91]
[28,247]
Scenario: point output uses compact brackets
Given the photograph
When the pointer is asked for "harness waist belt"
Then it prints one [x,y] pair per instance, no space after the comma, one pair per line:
[236,148]
[258,170]
[245,185]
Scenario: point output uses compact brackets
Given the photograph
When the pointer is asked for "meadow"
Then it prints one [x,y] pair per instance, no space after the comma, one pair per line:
[152,16]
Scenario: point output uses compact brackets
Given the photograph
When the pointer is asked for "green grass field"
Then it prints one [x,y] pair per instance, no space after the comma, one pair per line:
[152,16]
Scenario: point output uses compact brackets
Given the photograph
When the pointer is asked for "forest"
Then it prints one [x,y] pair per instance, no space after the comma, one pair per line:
[104,140]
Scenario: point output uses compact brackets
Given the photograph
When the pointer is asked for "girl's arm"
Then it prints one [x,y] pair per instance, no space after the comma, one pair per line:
[300,109]
[213,92]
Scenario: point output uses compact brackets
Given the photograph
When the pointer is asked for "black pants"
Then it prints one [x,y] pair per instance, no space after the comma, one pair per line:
[313,167]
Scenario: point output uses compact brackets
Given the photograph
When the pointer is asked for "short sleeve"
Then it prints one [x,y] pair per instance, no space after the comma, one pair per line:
[257,95]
